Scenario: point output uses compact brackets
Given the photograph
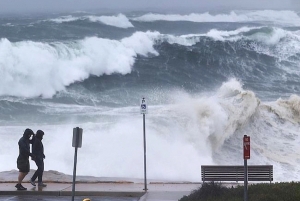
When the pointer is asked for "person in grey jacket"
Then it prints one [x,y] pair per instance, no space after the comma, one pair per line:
[38,151]
[23,158]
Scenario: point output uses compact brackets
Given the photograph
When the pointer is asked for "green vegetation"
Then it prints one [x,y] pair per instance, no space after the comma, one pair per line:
[256,192]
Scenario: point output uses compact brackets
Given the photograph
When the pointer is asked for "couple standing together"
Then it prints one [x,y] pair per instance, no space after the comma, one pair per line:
[37,155]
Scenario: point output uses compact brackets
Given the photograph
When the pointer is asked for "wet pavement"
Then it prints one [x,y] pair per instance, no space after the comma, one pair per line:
[110,191]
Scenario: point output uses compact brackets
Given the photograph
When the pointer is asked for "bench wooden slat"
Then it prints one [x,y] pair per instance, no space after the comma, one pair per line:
[236,173]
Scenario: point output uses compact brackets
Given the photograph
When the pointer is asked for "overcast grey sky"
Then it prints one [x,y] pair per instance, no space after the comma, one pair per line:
[20,6]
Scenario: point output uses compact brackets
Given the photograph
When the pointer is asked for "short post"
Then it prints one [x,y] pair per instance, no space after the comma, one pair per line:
[246,146]
[77,142]
[245,181]
[143,110]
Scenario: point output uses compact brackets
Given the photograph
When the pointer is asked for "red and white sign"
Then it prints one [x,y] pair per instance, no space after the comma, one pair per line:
[246,145]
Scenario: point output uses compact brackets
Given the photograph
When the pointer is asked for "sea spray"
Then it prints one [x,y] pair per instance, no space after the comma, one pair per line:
[209,79]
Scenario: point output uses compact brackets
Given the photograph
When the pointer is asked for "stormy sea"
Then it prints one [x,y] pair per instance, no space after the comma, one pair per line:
[208,78]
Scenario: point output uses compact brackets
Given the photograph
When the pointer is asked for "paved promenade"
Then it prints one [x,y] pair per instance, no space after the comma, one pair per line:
[127,191]
[59,188]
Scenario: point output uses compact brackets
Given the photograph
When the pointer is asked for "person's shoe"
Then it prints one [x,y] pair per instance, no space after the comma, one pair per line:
[32,182]
[41,184]
[20,187]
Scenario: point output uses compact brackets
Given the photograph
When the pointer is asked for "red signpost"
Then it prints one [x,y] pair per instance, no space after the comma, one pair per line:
[246,146]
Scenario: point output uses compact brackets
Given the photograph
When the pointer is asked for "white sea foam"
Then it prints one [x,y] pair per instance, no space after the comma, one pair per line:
[142,42]
[276,42]
[268,36]
[62,19]
[52,67]
[189,131]
[193,17]
[119,20]
[272,16]
[229,35]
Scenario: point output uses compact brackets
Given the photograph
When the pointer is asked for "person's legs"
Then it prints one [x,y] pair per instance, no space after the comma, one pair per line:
[21,176]
[24,167]
[20,179]
[39,173]
[35,175]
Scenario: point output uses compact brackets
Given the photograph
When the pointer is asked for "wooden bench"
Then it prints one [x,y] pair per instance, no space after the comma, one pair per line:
[236,173]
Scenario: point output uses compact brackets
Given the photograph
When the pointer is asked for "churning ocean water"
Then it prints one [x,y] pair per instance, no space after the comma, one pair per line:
[208,78]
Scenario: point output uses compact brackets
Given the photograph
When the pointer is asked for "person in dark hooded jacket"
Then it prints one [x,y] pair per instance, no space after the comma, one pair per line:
[38,151]
[23,158]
